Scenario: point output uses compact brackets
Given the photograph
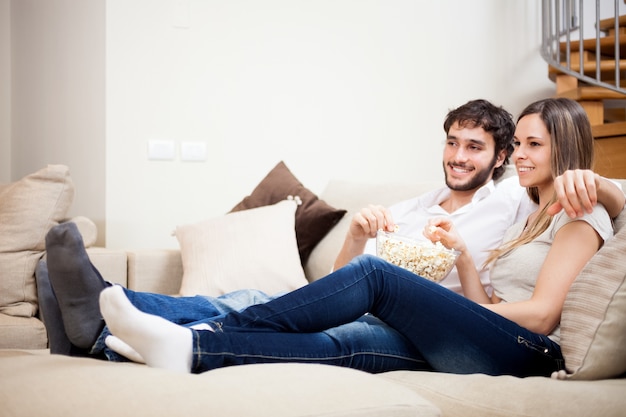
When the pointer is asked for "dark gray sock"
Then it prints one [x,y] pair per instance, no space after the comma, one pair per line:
[50,313]
[76,283]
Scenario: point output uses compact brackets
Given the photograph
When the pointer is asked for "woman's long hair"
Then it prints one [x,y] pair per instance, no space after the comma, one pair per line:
[572,148]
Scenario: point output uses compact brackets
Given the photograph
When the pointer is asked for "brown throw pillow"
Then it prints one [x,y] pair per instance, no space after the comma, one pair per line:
[314,217]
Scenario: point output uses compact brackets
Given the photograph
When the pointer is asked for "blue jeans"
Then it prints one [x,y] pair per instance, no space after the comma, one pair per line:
[185,311]
[450,332]
[367,344]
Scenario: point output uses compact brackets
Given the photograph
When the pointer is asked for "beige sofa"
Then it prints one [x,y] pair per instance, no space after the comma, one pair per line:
[32,382]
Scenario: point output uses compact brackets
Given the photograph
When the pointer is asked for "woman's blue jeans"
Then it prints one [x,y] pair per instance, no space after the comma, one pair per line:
[367,343]
[448,331]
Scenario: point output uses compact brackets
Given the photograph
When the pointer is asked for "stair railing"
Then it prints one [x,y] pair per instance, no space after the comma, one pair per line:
[563,22]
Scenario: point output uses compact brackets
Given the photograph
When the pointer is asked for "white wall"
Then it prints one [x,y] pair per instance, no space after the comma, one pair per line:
[352,89]
[5,91]
[58,98]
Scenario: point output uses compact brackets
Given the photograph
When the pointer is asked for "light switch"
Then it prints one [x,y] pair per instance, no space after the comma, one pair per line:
[161,150]
[193,151]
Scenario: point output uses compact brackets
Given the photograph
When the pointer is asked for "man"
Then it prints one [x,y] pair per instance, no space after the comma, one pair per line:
[478,144]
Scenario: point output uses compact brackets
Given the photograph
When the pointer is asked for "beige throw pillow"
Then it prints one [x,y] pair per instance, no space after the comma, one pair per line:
[248,249]
[593,322]
[28,209]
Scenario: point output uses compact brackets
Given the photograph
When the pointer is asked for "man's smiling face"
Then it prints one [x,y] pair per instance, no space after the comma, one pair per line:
[469,157]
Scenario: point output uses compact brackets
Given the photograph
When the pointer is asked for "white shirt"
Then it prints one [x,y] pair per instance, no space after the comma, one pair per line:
[481,223]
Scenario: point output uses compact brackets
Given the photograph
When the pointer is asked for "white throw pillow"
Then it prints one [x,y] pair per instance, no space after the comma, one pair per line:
[248,249]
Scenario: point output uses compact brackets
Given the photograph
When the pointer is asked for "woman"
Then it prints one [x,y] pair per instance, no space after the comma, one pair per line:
[514,331]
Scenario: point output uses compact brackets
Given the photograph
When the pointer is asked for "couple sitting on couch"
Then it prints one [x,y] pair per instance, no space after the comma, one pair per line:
[411,318]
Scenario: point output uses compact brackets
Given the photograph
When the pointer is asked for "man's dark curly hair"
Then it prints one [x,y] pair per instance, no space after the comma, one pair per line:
[493,119]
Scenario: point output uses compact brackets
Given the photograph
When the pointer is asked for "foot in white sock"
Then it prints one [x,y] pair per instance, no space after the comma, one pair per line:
[161,343]
[117,345]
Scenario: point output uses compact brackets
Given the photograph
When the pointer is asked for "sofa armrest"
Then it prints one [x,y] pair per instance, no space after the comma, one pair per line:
[111,263]
[155,270]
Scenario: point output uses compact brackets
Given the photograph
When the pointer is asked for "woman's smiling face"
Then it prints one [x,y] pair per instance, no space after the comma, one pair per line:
[532,152]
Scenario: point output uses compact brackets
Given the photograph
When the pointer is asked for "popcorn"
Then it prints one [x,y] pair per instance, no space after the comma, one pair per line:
[432,261]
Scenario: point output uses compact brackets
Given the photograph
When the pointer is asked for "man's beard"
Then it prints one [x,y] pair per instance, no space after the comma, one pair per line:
[477,181]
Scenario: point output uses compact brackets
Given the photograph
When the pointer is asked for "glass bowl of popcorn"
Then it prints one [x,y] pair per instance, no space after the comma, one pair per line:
[432,261]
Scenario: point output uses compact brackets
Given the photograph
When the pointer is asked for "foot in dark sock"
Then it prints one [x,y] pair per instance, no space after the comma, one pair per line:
[76,283]
[51,316]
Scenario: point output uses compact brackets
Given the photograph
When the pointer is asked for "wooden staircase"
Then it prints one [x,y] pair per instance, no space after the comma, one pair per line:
[605,107]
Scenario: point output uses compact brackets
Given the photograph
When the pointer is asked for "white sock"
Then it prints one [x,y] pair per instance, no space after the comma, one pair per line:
[117,345]
[161,343]
[202,326]
[562,375]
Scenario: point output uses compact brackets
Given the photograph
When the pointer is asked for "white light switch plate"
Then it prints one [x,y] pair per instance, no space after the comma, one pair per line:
[193,151]
[161,150]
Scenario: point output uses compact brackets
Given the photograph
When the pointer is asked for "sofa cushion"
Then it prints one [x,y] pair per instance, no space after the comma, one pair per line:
[480,395]
[155,270]
[111,263]
[593,328]
[22,333]
[253,248]
[28,209]
[314,217]
[64,386]
[87,229]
